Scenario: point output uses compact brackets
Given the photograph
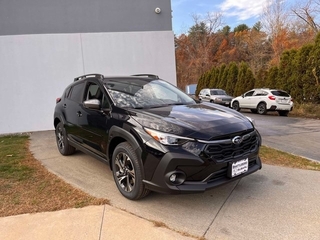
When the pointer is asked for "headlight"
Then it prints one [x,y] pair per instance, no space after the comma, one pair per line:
[166,138]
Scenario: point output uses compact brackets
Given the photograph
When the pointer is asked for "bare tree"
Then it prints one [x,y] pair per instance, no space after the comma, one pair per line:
[193,51]
[308,12]
[275,21]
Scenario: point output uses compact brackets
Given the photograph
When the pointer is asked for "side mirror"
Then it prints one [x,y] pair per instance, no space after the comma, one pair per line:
[242,95]
[92,104]
[207,95]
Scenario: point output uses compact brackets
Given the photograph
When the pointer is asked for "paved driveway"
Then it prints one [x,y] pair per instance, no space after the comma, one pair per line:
[298,136]
[273,203]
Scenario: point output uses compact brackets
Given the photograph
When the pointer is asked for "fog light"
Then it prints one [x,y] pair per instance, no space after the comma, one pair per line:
[173,178]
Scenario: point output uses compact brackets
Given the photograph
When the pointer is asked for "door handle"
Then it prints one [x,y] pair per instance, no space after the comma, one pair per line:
[64,105]
[79,114]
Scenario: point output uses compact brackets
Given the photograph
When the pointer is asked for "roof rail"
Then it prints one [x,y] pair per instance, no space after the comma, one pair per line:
[89,75]
[146,75]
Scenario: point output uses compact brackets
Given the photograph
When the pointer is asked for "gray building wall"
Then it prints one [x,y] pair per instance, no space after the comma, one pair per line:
[41,52]
[83,16]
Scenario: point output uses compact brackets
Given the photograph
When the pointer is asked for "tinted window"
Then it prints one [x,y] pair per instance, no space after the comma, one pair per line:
[67,93]
[260,93]
[249,94]
[93,91]
[218,92]
[76,92]
[280,93]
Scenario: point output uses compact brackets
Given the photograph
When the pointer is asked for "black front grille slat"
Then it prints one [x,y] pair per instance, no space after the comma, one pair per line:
[224,151]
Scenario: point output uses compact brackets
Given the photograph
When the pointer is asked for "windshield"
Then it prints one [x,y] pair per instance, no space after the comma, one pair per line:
[218,92]
[145,94]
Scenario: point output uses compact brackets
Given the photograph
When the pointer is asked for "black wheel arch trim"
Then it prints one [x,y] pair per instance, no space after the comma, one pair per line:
[116,131]
[60,118]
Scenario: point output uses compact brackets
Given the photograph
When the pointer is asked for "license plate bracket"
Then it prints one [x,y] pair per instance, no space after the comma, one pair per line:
[237,168]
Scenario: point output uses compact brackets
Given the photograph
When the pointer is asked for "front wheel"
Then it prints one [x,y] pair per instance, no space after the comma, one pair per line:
[127,172]
[236,106]
[62,142]
[262,108]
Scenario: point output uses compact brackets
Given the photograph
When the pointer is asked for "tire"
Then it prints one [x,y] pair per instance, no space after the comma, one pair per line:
[283,113]
[62,141]
[236,106]
[127,172]
[253,110]
[262,108]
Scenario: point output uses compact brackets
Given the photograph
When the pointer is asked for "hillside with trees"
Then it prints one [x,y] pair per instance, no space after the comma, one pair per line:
[282,50]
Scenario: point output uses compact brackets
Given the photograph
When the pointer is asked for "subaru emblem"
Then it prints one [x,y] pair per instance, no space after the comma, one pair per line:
[237,140]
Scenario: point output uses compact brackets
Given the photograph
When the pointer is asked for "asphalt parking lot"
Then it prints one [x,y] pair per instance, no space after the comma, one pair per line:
[273,203]
[297,136]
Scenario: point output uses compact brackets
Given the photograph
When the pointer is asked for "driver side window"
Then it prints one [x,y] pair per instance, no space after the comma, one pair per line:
[93,91]
[249,94]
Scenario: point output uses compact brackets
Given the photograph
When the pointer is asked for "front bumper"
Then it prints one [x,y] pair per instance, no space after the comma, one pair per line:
[195,174]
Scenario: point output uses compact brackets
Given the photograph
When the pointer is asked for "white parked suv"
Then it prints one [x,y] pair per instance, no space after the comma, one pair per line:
[262,100]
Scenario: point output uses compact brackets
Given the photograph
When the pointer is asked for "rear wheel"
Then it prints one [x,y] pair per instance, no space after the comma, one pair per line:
[283,113]
[62,142]
[127,172]
[262,108]
[236,106]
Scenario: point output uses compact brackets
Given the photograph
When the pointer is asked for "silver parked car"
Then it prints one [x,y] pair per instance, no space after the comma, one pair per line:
[215,95]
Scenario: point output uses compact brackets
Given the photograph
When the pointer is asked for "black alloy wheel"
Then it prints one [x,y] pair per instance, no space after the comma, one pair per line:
[127,172]
[62,142]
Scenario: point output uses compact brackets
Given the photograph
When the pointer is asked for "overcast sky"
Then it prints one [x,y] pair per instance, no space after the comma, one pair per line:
[234,12]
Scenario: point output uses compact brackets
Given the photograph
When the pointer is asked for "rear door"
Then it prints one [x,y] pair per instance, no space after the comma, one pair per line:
[71,108]
[258,96]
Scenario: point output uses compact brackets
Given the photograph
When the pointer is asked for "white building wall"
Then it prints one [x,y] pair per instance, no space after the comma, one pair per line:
[35,69]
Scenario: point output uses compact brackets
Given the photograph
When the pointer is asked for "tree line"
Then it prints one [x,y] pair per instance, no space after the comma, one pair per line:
[274,53]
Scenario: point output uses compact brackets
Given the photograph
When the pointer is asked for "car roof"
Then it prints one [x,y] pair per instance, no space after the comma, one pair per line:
[145,77]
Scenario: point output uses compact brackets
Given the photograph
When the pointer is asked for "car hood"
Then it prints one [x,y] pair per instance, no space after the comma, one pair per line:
[200,121]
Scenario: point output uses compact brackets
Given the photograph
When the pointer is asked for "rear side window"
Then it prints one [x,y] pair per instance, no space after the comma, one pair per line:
[260,93]
[67,93]
[76,92]
[280,93]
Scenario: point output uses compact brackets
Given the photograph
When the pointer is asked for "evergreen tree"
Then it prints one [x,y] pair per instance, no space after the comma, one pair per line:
[213,77]
[232,78]
[272,76]
[220,76]
[241,87]
[302,73]
[312,87]
[223,80]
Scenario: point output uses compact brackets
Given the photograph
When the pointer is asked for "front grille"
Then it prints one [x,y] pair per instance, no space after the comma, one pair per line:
[225,150]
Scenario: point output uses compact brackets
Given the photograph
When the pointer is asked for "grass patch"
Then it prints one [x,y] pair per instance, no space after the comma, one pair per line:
[27,187]
[275,157]
[306,110]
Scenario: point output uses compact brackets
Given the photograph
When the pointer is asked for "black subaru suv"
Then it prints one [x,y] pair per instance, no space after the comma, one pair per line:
[153,136]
